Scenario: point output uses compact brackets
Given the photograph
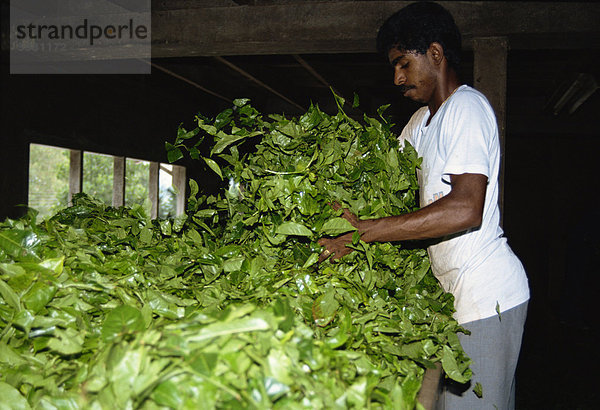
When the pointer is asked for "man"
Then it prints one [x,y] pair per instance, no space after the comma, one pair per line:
[457,136]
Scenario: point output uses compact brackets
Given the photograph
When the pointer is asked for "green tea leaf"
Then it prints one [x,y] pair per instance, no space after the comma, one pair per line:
[121,320]
[19,243]
[227,140]
[54,264]
[451,367]
[11,398]
[498,311]
[243,325]
[214,166]
[9,296]
[240,102]
[173,152]
[66,342]
[478,390]
[293,228]
[167,394]
[38,296]
[204,363]
[337,226]
[325,308]
[10,357]
[312,259]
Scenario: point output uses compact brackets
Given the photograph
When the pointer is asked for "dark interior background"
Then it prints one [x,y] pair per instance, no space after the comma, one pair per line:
[551,162]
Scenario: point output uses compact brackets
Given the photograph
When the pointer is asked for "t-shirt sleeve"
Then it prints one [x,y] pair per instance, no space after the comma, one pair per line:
[411,129]
[469,136]
[405,136]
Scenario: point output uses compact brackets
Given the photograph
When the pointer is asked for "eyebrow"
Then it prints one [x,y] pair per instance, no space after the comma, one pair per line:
[397,59]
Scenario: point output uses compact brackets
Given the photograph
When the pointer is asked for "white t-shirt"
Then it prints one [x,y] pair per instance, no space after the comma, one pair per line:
[477,266]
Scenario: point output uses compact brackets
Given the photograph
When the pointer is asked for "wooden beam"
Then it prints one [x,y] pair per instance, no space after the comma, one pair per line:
[258,82]
[351,26]
[314,73]
[353,112]
[192,29]
[489,75]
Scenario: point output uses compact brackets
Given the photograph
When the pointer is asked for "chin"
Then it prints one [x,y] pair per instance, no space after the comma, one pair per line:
[414,97]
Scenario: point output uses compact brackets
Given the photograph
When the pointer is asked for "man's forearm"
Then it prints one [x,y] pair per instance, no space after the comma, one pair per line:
[443,217]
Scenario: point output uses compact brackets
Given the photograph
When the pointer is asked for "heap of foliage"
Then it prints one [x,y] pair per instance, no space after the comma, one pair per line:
[226,306]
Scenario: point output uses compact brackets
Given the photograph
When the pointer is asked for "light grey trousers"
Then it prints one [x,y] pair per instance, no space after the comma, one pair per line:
[493,346]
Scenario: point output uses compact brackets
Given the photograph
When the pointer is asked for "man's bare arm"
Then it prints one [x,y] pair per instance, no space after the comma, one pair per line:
[458,211]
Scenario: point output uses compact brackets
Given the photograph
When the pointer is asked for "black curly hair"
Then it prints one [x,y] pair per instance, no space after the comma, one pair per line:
[416,26]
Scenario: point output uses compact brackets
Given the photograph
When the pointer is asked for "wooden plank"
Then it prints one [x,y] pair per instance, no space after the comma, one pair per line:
[153,189]
[118,198]
[489,74]
[75,173]
[351,26]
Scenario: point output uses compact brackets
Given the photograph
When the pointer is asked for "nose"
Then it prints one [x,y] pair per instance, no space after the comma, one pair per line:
[399,77]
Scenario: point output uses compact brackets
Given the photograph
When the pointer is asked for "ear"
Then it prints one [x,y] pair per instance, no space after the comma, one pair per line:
[436,52]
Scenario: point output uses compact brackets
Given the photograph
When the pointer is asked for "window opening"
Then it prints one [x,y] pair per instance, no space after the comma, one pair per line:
[56,174]
[136,184]
[98,176]
[48,179]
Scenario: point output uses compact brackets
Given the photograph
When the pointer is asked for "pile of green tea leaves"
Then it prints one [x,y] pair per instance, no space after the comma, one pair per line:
[226,305]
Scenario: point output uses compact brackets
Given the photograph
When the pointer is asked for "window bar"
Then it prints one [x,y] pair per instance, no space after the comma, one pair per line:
[153,189]
[179,182]
[75,173]
[118,198]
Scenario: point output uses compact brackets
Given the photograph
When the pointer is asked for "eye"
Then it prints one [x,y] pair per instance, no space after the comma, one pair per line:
[404,66]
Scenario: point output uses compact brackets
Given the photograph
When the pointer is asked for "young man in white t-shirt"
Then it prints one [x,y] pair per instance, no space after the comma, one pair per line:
[457,136]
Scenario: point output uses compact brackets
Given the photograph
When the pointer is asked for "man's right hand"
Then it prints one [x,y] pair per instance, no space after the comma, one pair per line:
[336,247]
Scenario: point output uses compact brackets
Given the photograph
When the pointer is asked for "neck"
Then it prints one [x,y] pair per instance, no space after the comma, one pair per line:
[448,82]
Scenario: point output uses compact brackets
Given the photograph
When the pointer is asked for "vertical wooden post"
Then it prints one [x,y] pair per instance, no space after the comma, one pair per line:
[490,73]
[179,182]
[118,198]
[75,173]
[153,189]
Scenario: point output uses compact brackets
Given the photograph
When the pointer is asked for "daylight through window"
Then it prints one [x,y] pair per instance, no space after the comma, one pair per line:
[56,174]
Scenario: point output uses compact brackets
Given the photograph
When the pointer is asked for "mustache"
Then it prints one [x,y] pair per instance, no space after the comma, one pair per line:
[404,88]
